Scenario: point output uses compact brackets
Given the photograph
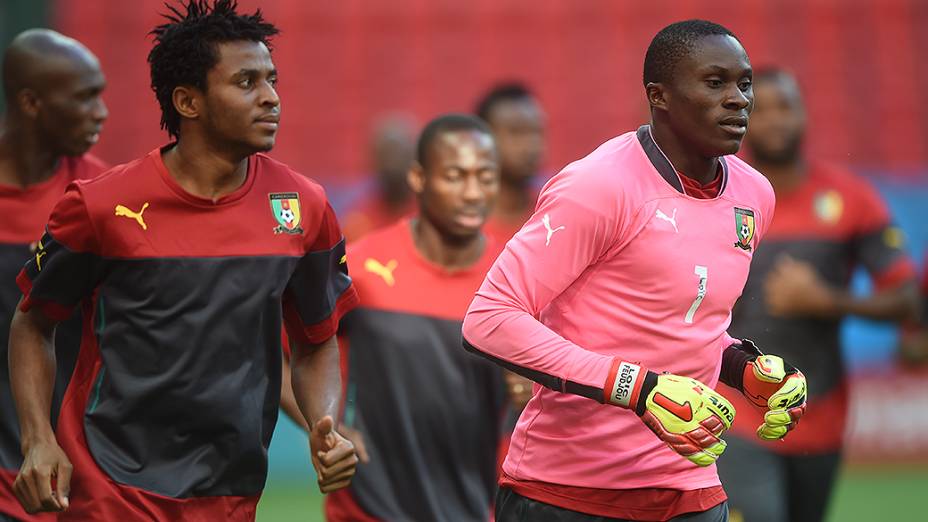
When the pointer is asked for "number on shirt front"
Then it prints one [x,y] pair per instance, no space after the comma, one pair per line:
[703,273]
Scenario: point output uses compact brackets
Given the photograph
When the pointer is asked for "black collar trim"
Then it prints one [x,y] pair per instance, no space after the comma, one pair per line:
[662,164]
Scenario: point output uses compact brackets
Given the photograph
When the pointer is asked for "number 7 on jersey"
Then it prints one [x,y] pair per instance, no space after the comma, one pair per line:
[703,273]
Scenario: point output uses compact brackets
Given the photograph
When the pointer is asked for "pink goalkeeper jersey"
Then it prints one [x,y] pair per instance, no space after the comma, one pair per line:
[616,262]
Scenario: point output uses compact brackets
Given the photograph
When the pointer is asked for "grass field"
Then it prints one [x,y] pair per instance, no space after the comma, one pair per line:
[863,495]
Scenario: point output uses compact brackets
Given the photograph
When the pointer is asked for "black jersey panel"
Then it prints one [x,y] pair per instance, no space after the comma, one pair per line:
[430,413]
[187,397]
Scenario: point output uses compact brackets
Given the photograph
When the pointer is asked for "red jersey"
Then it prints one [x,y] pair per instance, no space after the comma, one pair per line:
[177,386]
[24,213]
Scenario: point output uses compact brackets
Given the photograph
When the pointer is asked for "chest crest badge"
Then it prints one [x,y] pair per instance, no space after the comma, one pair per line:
[285,206]
[744,228]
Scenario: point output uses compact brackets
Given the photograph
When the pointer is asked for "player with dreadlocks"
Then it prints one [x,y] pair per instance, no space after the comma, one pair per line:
[183,263]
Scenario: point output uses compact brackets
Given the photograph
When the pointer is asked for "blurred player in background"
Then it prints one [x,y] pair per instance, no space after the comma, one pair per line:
[616,296]
[392,151]
[518,124]
[180,262]
[829,222]
[52,87]
[913,348]
[429,413]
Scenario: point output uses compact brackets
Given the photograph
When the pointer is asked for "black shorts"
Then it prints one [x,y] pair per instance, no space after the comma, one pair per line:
[764,486]
[512,507]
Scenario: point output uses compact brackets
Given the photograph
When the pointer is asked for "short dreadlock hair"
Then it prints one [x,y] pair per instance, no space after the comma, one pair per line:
[674,42]
[186,47]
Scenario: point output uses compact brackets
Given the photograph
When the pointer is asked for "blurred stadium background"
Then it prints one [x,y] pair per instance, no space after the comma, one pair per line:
[344,64]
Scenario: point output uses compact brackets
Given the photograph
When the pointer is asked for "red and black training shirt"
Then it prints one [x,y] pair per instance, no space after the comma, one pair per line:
[176,390]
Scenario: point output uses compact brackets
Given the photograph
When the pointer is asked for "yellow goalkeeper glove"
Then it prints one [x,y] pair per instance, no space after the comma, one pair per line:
[770,383]
[683,412]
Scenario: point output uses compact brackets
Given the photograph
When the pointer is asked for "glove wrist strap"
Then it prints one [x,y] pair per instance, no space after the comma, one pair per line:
[628,385]
[736,359]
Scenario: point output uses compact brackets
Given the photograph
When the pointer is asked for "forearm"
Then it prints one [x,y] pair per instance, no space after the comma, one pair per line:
[897,304]
[288,399]
[520,343]
[32,374]
[315,379]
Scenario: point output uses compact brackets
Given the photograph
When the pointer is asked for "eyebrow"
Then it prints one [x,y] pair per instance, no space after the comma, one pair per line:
[718,69]
[254,72]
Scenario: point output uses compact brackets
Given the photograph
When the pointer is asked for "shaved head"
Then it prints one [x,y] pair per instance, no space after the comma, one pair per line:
[52,85]
[37,58]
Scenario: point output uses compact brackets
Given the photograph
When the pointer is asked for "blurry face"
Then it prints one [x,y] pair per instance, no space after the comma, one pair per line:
[242,106]
[710,96]
[71,111]
[778,122]
[519,129]
[459,185]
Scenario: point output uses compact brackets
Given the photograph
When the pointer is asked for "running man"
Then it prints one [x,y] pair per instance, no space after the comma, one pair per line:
[183,263]
[616,296]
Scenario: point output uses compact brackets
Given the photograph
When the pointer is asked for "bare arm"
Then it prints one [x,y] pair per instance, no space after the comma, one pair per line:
[316,380]
[896,304]
[32,373]
[288,399]
[794,288]
[32,379]
[316,383]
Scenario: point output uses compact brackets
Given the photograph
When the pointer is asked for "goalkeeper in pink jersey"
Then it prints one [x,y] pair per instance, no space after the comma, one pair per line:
[615,298]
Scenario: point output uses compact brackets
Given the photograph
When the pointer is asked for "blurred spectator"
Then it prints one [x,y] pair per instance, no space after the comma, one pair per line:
[391,151]
[827,223]
[518,124]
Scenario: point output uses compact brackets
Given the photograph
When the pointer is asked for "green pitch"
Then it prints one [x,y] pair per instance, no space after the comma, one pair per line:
[863,495]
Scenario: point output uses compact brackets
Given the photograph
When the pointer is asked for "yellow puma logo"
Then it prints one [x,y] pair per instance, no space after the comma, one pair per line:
[126,212]
[39,254]
[385,271]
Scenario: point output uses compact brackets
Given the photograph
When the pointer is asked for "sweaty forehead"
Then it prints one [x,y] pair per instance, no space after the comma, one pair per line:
[715,53]
[242,54]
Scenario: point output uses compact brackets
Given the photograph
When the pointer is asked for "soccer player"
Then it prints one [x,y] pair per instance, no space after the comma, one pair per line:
[829,222]
[183,263]
[429,413]
[518,124]
[52,86]
[392,149]
[615,298]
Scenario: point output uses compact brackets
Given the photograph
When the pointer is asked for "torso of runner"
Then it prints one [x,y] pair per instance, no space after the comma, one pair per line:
[176,390]
[617,261]
[429,412]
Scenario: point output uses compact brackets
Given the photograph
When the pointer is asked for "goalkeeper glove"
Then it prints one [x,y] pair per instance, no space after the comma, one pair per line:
[768,382]
[683,412]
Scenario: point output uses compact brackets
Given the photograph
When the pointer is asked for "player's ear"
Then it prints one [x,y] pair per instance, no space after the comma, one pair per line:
[415,178]
[657,95]
[186,101]
[28,102]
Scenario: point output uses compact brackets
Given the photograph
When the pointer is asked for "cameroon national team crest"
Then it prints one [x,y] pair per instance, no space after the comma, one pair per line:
[286,209]
[744,228]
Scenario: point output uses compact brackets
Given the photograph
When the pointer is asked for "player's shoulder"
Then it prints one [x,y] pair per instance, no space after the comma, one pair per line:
[120,178]
[599,175]
[746,181]
[850,185]
[387,241]
[281,177]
